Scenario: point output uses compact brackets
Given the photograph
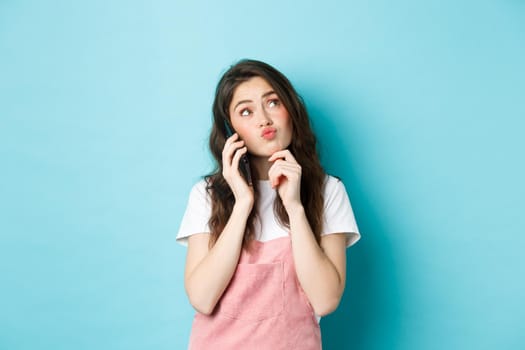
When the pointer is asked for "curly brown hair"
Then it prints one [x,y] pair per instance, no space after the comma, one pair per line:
[303,147]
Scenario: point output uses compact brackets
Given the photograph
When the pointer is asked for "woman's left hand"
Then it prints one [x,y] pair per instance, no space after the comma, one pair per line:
[285,175]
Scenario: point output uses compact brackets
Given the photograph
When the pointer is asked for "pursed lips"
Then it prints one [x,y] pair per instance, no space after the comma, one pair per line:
[268,133]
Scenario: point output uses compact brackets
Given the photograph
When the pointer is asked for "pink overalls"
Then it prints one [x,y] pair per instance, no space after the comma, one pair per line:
[263,307]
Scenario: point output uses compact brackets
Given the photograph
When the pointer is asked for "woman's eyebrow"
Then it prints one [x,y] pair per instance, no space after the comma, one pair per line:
[241,102]
[266,94]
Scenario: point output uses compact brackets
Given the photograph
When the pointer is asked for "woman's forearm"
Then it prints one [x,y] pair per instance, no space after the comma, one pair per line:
[319,277]
[206,282]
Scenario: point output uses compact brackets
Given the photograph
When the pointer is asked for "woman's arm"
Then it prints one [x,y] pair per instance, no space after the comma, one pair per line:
[321,269]
[209,271]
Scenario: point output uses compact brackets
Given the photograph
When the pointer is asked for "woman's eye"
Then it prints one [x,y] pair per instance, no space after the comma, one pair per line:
[245,112]
[273,103]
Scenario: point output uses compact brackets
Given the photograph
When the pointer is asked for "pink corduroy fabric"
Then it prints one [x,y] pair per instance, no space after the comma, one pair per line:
[264,307]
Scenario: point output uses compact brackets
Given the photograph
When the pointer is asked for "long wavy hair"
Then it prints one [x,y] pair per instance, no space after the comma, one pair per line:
[303,147]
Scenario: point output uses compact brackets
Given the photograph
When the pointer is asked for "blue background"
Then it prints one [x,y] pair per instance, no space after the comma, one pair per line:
[104,117]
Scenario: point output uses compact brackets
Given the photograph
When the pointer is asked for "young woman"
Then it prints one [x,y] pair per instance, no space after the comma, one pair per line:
[265,260]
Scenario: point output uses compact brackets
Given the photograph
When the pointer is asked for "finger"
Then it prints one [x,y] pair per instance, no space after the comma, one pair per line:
[282,169]
[231,139]
[229,150]
[231,142]
[235,145]
[237,156]
[274,175]
[285,164]
[284,175]
[231,167]
[282,164]
[284,154]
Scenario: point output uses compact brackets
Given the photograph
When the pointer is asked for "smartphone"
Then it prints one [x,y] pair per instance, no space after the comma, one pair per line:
[244,165]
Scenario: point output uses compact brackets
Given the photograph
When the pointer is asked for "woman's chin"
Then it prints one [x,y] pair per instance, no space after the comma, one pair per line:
[266,153]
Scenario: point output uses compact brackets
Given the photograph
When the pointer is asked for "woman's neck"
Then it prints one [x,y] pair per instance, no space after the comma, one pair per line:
[261,165]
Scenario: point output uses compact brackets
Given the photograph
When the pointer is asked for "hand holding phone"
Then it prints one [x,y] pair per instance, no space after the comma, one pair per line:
[244,165]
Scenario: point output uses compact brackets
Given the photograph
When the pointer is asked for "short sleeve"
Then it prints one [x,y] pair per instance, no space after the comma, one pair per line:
[197,214]
[338,213]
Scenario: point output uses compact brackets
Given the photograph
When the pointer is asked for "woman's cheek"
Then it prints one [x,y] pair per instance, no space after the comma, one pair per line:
[246,137]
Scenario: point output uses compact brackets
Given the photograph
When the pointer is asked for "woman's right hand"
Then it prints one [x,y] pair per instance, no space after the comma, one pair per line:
[231,155]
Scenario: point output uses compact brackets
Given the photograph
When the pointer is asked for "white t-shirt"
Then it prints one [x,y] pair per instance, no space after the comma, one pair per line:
[338,213]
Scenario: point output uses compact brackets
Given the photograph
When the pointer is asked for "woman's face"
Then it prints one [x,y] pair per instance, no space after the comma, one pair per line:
[259,117]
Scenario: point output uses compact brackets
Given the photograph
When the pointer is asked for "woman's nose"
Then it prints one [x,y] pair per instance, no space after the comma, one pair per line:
[264,118]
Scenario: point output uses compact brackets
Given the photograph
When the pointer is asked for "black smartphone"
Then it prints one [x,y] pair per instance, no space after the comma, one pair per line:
[244,165]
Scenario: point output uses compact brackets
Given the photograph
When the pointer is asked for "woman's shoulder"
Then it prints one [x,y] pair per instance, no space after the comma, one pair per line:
[332,183]
[200,185]
[200,188]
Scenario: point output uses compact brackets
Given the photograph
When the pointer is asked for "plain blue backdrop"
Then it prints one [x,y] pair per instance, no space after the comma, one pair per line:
[104,117]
